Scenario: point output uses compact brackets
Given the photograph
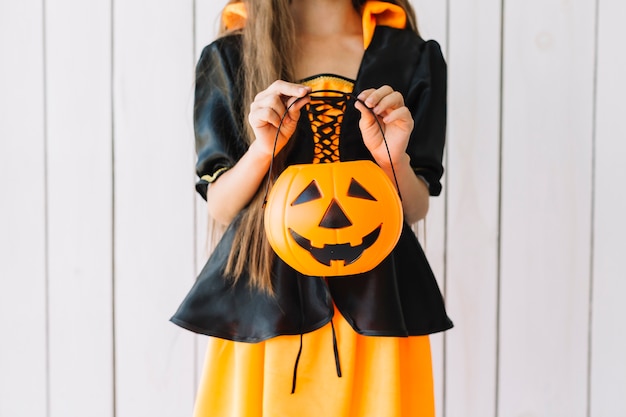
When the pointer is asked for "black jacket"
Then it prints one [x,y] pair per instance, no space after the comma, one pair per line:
[399,297]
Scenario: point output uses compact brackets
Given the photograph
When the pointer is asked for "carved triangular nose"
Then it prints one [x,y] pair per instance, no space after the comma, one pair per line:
[335,218]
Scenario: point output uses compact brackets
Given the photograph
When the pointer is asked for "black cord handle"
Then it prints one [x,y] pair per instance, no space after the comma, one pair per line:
[349,97]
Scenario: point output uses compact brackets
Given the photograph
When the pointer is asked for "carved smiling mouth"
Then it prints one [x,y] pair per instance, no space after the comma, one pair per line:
[337,252]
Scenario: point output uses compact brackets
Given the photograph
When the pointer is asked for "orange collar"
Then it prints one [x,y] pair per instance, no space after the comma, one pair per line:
[374,13]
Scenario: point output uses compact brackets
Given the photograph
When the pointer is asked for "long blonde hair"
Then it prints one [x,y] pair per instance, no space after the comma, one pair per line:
[268,47]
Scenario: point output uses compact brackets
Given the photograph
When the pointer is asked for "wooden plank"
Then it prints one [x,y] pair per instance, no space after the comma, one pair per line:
[546,201]
[207,18]
[23,350]
[208,13]
[473,198]
[80,207]
[608,368]
[432,20]
[154,199]
[432,24]
[434,247]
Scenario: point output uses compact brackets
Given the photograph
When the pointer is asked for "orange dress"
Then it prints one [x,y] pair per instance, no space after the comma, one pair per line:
[380,376]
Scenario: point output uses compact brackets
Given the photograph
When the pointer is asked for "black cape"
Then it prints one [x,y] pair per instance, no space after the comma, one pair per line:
[399,297]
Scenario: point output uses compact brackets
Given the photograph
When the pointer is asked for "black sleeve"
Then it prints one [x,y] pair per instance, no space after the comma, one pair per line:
[427,100]
[217,116]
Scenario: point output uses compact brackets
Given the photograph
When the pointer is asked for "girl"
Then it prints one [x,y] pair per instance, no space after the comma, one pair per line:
[285,344]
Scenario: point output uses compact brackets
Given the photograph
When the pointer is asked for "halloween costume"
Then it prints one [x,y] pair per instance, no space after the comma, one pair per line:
[325,320]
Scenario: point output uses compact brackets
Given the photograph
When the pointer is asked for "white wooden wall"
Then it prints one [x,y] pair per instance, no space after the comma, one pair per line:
[101,234]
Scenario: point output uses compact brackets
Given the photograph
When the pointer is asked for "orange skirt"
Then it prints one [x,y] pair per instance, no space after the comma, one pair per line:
[381,376]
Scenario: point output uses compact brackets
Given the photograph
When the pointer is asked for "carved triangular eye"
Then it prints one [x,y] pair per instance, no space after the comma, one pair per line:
[310,193]
[358,191]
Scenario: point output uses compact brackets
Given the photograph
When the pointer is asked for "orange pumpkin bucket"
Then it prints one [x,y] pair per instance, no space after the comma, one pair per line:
[333,219]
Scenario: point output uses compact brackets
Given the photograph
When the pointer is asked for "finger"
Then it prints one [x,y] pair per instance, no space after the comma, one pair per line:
[278,95]
[273,98]
[365,94]
[374,98]
[287,89]
[295,104]
[368,122]
[274,101]
[264,116]
[402,115]
[271,110]
[366,112]
[390,102]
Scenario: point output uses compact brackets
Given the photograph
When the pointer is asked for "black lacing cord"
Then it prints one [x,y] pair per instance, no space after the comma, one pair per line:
[335,344]
[335,349]
[349,97]
[295,366]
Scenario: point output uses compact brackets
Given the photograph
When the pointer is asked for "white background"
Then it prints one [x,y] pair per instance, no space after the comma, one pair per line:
[101,233]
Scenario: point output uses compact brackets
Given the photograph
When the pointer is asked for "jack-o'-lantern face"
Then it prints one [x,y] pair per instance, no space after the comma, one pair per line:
[333,219]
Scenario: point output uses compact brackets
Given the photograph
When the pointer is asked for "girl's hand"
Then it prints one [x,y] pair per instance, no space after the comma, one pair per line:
[268,108]
[395,120]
